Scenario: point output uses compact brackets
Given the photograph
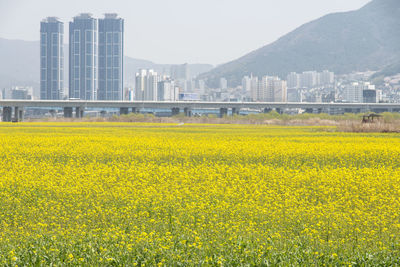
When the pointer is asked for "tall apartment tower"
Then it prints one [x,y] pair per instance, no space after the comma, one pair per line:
[146,85]
[51,59]
[83,57]
[111,54]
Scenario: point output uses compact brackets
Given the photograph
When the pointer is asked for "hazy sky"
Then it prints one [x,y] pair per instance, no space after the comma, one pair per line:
[179,31]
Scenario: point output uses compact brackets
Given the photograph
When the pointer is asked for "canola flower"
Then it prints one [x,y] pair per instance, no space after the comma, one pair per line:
[213,195]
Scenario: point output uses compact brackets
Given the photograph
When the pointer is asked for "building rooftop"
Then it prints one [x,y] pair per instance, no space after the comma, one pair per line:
[110,15]
[51,19]
[83,16]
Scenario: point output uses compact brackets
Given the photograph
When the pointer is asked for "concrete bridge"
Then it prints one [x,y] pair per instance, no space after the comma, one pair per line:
[13,110]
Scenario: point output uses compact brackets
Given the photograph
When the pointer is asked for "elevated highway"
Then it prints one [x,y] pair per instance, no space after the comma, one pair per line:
[13,110]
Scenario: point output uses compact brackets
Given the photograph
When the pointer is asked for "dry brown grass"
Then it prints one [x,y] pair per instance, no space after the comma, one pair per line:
[377,127]
[349,125]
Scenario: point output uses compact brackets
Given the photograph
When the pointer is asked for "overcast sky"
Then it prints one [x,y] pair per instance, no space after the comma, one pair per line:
[179,31]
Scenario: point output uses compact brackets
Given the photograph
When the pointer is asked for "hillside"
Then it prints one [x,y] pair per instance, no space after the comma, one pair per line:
[365,39]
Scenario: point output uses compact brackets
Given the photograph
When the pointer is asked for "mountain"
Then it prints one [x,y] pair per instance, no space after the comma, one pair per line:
[365,39]
[19,61]
[19,65]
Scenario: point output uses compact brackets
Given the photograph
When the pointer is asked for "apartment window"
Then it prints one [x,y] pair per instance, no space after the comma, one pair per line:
[43,50]
[116,37]
[116,85]
[43,61]
[102,49]
[89,61]
[89,48]
[76,48]
[55,51]
[76,72]
[77,36]
[54,74]
[116,61]
[109,37]
[54,38]
[116,50]
[102,37]
[89,73]
[89,36]
[43,74]
[116,73]
[43,38]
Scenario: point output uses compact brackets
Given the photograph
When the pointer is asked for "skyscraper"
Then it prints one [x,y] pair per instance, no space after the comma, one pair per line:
[111,53]
[51,59]
[83,57]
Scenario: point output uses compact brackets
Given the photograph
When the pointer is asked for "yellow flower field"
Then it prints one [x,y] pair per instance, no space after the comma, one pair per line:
[154,194]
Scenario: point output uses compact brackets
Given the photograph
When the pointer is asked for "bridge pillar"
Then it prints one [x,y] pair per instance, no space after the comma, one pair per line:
[53,113]
[223,112]
[267,110]
[235,111]
[123,111]
[7,114]
[103,113]
[68,112]
[18,114]
[188,112]
[175,111]
[79,112]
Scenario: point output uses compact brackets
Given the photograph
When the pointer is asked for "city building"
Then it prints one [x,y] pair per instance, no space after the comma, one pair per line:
[51,59]
[353,93]
[223,83]
[309,79]
[83,53]
[327,77]
[18,93]
[279,91]
[293,80]
[246,84]
[146,85]
[111,56]
[254,88]
[167,91]
[370,96]
[180,72]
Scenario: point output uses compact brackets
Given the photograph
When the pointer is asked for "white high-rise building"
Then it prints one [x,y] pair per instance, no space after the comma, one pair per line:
[223,83]
[201,86]
[293,80]
[309,79]
[146,85]
[327,77]
[353,93]
[246,84]
[280,91]
[270,89]
[167,91]
[254,88]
